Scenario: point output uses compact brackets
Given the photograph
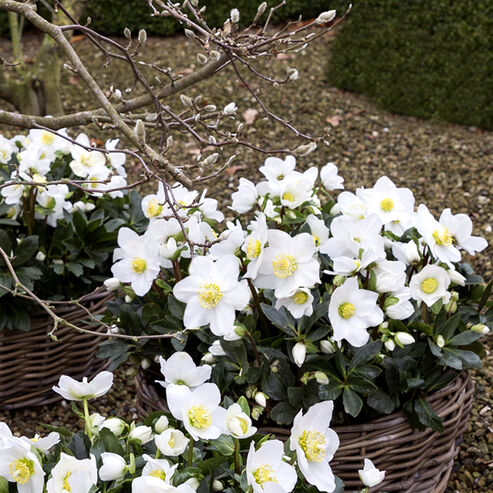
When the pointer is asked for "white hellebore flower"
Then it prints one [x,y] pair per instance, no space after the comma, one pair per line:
[73,390]
[401,308]
[391,275]
[142,434]
[19,465]
[315,445]
[278,170]
[150,484]
[318,229]
[198,409]
[171,442]
[330,179]
[430,284]
[299,304]
[212,294]
[267,472]
[153,204]
[239,424]
[352,311]
[254,245]
[288,263]
[299,353]
[180,369]
[158,468]
[85,162]
[73,475]
[114,467]
[437,236]
[370,476]
[245,198]
[136,260]
[43,444]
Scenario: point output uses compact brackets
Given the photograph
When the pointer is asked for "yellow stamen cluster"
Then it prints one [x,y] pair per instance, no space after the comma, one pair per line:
[171,441]
[254,247]
[209,295]
[284,266]
[443,237]
[313,444]
[200,417]
[387,205]
[158,473]
[21,470]
[288,196]
[47,138]
[154,208]
[346,310]
[300,297]
[85,159]
[264,474]
[66,484]
[429,285]
[139,265]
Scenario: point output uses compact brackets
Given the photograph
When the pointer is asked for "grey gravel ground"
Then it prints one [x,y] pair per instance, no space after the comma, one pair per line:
[445,165]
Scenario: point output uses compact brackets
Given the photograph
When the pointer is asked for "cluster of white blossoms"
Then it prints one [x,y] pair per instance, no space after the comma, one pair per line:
[372,275]
[196,404]
[40,156]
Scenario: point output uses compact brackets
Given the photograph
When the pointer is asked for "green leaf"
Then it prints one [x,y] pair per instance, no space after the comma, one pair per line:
[485,296]
[470,359]
[280,318]
[295,396]
[111,443]
[75,268]
[210,465]
[25,251]
[437,307]
[79,445]
[225,445]
[352,402]
[381,402]
[361,385]
[365,354]
[331,391]
[243,403]
[283,413]
[4,485]
[427,416]
[465,338]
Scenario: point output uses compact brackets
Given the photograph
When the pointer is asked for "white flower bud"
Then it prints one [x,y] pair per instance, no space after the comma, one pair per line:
[235,16]
[327,347]
[161,424]
[40,256]
[299,353]
[115,425]
[194,483]
[208,359]
[440,341]
[140,130]
[169,141]
[114,467]
[481,328]
[189,33]
[128,299]
[457,278]
[217,485]
[127,33]
[112,284]
[230,109]
[321,378]
[292,74]
[210,160]
[142,36]
[261,399]
[142,434]
[201,58]
[304,150]
[96,420]
[403,338]
[114,329]
[390,344]
[185,100]
[145,363]
[325,17]
[194,3]
[209,108]
[260,10]
[257,412]
[370,476]
[215,56]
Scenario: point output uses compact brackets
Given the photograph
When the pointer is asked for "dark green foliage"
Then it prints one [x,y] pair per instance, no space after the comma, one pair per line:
[422,58]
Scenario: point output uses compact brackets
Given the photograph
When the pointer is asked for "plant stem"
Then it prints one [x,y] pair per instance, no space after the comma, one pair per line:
[237,456]
[87,418]
[190,452]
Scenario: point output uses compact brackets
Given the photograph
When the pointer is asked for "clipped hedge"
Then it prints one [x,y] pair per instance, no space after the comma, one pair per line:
[421,58]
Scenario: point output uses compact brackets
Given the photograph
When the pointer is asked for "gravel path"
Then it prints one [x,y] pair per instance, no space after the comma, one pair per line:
[445,165]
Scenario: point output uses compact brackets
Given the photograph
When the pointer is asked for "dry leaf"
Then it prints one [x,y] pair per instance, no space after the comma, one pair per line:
[283,56]
[334,120]
[73,80]
[77,39]
[249,115]
[231,170]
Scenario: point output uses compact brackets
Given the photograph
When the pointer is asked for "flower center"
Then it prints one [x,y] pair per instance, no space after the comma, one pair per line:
[200,417]
[154,208]
[209,295]
[443,237]
[139,265]
[254,248]
[158,473]
[313,444]
[429,285]
[316,240]
[85,159]
[47,138]
[288,196]
[346,310]
[284,266]
[171,441]
[264,474]
[22,470]
[66,485]
[280,177]
[387,205]
[300,297]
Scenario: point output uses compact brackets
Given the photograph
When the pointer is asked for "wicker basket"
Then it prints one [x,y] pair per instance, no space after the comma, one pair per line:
[414,461]
[31,363]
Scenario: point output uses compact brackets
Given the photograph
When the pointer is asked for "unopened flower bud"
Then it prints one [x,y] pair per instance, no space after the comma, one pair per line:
[305,378]
[40,256]
[327,347]
[321,378]
[210,160]
[142,434]
[201,58]
[194,483]
[127,33]
[161,424]
[304,150]
[140,130]
[292,74]
[325,17]
[115,425]
[214,56]
[112,284]
[481,328]
[239,330]
[403,338]
[113,468]
[235,16]
[208,359]
[260,10]
[261,399]
[142,36]
[390,344]
[185,100]
[189,33]
[338,280]
[145,363]
[217,485]
[230,109]
[128,299]
[299,353]
[291,214]
[440,341]
[257,412]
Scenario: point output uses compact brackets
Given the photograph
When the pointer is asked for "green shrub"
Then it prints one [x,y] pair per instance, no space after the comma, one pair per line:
[422,58]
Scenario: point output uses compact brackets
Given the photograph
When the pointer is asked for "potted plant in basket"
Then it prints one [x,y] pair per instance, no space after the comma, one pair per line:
[363,300]
[61,203]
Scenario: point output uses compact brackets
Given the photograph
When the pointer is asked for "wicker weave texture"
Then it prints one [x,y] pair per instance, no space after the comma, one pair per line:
[31,363]
[414,461]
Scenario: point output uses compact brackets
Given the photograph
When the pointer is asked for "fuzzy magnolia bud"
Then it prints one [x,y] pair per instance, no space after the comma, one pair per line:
[440,341]
[261,399]
[189,33]
[292,74]
[403,338]
[215,55]
[209,161]
[235,16]
[142,36]
[201,58]
[299,353]
[306,149]
[194,3]
[230,109]
[325,17]
[127,33]
[260,11]
[140,130]
[185,100]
